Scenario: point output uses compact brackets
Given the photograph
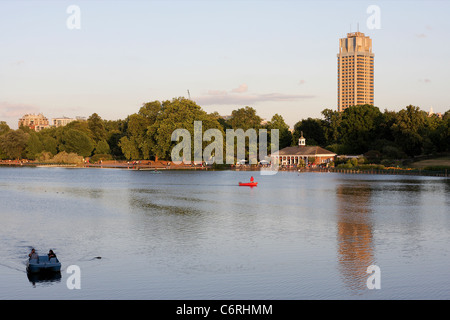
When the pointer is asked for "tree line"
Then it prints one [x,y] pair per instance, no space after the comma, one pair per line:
[146,135]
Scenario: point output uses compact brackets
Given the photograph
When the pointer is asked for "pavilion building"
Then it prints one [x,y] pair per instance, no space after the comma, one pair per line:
[303,154]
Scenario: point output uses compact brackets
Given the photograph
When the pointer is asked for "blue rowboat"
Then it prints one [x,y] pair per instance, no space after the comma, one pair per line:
[43,264]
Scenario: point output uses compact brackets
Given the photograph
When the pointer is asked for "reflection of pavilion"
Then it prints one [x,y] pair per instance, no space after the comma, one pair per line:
[354,237]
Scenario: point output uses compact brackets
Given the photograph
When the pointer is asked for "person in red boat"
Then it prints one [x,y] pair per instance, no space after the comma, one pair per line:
[252,180]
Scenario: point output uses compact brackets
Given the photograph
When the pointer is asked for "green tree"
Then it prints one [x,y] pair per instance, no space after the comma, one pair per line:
[13,144]
[115,129]
[49,144]
[137,131]
[4,128]
[139,140]
[385,126]
[151,111]
[285,135]
[313,131]
[79,125]
[224,123]
[245,118]
[331,126]
[179,113]
[102,147]
[129,148]
[432,134]
[97,128]
[408,129]
[74,141]
[359,127]
[34,146]
[113,142]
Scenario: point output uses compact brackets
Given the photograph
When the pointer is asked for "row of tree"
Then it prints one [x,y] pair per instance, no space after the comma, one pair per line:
[147,133]
[366,130]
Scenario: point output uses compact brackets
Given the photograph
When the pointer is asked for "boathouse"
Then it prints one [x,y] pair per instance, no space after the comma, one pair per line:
[303,154]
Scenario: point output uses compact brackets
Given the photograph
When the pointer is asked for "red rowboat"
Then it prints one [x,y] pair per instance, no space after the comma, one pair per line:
[252,183]
[248,184]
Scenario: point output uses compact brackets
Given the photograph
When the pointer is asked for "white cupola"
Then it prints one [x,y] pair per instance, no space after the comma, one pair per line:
[301,141]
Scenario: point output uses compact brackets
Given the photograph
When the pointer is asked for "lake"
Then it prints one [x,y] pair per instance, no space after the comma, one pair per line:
[198,235]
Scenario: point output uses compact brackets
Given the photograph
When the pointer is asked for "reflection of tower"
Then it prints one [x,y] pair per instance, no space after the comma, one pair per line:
[355,248]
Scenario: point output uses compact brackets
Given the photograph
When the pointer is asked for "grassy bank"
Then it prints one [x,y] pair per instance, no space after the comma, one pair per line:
[441,163]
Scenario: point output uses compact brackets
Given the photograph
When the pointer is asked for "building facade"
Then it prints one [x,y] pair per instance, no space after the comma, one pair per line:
[303,155]
[34,122]
[355,71]
[60,122]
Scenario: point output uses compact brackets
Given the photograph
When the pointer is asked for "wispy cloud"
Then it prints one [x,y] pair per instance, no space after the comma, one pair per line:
[216,92]
[242,88]
[17,63]
[424,35]
[15,110]
[240,96]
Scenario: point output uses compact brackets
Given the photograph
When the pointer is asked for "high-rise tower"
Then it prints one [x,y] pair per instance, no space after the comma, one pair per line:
[355,71]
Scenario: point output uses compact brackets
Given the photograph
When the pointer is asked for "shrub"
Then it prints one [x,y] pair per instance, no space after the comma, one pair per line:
[44,156]
[373,156]
[62,158]
[67,158]
[100,157]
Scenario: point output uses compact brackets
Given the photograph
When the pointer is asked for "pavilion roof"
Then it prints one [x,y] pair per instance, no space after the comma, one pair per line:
[310,151]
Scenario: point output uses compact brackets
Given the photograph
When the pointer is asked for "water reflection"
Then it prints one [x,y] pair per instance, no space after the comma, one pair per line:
[46,278]
[179,235]
[354,233]
[447,190]
[156,202]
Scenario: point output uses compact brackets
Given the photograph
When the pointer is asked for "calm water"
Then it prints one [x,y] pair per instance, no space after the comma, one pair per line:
[197,235]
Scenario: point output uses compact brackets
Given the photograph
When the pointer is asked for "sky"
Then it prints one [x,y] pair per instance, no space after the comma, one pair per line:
[274,56]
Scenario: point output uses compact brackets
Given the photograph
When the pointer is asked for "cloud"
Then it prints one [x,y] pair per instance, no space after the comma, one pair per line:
[216,92]
[238,96]
[18,62]
[242,88]
[15,110]
[421,35]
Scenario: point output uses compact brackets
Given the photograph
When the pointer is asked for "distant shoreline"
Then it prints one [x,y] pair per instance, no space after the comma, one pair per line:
[168,166]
